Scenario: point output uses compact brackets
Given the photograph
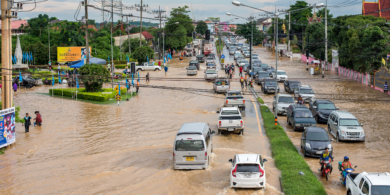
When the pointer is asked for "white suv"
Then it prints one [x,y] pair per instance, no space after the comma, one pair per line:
[247,171]
[282,75]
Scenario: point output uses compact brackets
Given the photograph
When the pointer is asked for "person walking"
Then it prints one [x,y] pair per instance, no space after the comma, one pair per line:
[241,68]
[38,119]
[147,77]
[27,123]
[137,87]
[385,88]
[242,82]
[246,81]
[15,86]
[230,73]
[159,63]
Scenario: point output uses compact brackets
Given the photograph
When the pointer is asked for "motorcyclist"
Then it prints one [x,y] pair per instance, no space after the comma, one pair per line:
[345,165]
[325,157]
[300,99]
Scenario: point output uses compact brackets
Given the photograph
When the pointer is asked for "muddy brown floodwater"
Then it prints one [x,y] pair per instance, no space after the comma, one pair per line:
[87,148]
[371,107]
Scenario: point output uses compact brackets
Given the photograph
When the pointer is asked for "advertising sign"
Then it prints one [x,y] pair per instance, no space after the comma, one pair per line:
[335,58]
[70,54]
[7,127]
[381,76]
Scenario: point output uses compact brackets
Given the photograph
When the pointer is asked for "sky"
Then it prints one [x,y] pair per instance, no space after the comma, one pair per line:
[200,9]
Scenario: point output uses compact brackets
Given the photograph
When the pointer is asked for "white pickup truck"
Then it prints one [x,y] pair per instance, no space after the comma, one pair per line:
[235,99]
[368,183]
[210,74]
[147,66]
[230,119]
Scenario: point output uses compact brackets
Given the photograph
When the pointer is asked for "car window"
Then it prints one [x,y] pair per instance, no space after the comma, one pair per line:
[189,145]
[380,190]
[317,136]
[230,118]
[331,117]
[349,122]
[270,83]
[366,188]
[248,168]
[303,114]
[229,112]
[326,107]
[211,71]
[207,139]
[306,91]
[336,119]
[286,99]
[361,183]
[261,161]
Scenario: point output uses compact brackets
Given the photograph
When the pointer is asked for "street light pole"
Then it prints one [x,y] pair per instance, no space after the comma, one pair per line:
[112,52]
[276,71]
[326,38]
[48,31]
[86,31]
[289,29]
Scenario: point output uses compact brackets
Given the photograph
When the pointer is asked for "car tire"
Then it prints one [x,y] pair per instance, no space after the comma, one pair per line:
[349,192]
[155,69]
[329,129]
[219,132]
[316,118]
[242,132]
[338,137]
[304,152]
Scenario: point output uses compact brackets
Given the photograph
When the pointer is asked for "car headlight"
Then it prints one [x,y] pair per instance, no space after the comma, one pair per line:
[362,133]
[280,107]
[308,145]
[342,132]
[297,125]
[330,146]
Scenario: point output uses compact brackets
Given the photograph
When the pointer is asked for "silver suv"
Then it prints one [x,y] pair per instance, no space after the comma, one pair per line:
[344,126]
[283,101]
[305,92]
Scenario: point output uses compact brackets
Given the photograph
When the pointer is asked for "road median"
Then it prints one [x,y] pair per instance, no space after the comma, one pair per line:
[288,160]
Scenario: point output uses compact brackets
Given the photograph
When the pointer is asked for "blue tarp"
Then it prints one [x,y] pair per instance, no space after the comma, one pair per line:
[73,63]
[78,65]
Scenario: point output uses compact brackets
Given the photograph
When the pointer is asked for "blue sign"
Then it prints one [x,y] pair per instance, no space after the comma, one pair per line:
[7,127]
[223,56]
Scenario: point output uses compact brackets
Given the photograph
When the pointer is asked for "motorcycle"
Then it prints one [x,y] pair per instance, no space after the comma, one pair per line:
[345,173]
[326,170]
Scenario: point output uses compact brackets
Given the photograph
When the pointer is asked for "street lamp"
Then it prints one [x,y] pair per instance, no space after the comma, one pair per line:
[164,40]
[276,15]
[251,40]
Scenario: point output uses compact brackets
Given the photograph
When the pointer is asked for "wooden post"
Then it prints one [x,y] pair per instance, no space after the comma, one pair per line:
[6,81]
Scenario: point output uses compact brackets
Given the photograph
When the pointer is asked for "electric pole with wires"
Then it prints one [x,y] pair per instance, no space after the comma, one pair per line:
[159,12]
[141,9]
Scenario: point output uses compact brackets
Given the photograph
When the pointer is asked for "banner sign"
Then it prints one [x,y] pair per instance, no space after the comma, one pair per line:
[335,58]
[381,76]
[7,127]
[70,54]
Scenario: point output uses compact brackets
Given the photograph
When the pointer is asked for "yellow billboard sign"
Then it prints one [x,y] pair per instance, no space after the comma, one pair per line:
[70,54]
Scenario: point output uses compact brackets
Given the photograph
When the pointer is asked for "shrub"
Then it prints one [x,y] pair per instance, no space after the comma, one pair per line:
[100,96]
[93,76]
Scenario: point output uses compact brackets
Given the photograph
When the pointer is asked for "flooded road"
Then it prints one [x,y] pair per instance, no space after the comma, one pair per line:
[371,107]
[87,148]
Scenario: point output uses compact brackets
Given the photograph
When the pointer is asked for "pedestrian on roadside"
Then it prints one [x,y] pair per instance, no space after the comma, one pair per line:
[147,77]
[15,87]
[27,123]
[38,119]
[128,84]
[246,81]
[242,82]
[166,69]
[230,73]
[241,68]
[159,63]
[385,88]
[137,87]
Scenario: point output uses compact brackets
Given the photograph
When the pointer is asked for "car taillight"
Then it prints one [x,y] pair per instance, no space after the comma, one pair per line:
[242,123]
[261,172]
[205,155]
[234,171]
[220,123]
[227,101]
[174,156]
[243,101]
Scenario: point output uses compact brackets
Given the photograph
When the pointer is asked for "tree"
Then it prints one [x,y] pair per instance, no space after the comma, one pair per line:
[201,27]
[93,76]
[246,30]
[134,44]
[178,40]
[321,13]
[141,52]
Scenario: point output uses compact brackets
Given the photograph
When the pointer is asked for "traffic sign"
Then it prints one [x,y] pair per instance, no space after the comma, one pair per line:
[118,97]
[116,89]
[223,56]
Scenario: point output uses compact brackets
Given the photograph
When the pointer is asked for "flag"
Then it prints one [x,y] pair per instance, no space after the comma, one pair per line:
[388,56]
[132,77]
[164,59]
[383,61]
[77,84]
[23,57]
[59,77]
[119,88]
[139,80]
[108,59]
[53,81]
[147,58]
[127,83]
[20,77]
[31,59]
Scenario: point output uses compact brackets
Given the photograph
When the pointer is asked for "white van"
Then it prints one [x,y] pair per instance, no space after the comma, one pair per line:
[192,146]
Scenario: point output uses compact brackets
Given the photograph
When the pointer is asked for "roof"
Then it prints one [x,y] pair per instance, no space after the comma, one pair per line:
[284,95]
[324,101]
[15,24]
[229,108]
[344,114]
[299,106]
[147,35]
[315,129]
[195,128]
[369,8]
[384,5]
[378,179]
[261,20]
[247,158]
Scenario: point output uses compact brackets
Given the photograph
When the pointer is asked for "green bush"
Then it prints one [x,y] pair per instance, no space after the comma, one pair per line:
[288,160]
[50,78]
[120,66]
[93,96]
[296,50]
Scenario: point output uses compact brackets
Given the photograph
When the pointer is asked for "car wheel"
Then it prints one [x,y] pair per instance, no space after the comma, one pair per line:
[155,69]
[327,176]
[349,192]
[316,118]
[242,132]
[304,152]
[337,137]
[219,132]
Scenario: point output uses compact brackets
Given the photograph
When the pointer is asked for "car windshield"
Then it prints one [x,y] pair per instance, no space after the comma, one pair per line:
[211,71]
[286,99]
[326,107]
[222,83]
[282,73]
[294,84]
[380,190]
[270,83]
[230,117]
[303,114]
[317,136]
[264,65]
[306,91]
[349,122]
[191,68]
[233,97]
[210,64]
[248,168]
[229,112]
[257,69]
[189,145]
[263,74]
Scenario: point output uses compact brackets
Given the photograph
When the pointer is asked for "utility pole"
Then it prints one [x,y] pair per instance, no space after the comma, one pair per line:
[112,52]
[289,29]
[48,32]
[86,31]
[251,43]
[326,38]
[276,69]
[128,33]
[6,95]
[140,28]
[159,12]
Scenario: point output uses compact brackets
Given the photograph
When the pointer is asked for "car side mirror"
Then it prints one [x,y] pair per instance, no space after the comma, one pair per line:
[212,132]
[335,124]
[231,160]
[218,111]
[337,108]
[361,124]
[265,160]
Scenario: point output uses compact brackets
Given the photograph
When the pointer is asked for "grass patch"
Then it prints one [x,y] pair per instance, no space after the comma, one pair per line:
[288,160]
[2,151]
[102,96]
[260,100]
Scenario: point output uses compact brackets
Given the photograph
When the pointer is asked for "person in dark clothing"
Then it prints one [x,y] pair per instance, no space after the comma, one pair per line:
[147,77]
[38,118]
[137,87]
[386,88]
[27,123]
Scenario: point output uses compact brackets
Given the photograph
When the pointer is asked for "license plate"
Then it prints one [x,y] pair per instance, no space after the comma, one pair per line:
[190,158]
[319,152]
[353,138]
[230,129]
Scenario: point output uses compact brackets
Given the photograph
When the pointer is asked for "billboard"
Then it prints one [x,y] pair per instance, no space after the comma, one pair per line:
[381,76]
[7,127]
[70,54]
